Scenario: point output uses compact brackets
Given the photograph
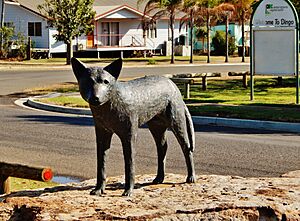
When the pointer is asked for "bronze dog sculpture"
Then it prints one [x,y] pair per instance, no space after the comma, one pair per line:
[121,107]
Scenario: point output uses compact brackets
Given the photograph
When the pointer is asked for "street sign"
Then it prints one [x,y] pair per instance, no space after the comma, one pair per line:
[274,41]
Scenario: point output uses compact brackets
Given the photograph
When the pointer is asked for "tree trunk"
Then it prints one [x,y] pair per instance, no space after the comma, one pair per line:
[243,36]
[227,41]
[208,37]
[172,20]
[191,36]
[69,51]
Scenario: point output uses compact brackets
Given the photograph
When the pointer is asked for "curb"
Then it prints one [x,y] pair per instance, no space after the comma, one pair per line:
[55,108]
[249,124]
[198,120]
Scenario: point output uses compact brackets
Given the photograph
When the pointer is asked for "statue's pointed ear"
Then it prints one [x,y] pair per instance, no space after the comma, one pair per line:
[78,67]
[114,68]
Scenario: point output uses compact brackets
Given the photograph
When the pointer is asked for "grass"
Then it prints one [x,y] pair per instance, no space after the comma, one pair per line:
[66,101]
[147,60]
[18,184]
[227,98]
[230,91]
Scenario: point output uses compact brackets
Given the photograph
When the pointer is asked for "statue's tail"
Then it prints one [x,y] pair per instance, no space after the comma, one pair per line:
[190,128]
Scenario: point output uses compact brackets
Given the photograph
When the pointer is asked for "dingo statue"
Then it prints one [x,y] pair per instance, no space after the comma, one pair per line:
[121,107]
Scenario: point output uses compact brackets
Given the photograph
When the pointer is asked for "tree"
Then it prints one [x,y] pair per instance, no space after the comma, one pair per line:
[191,8]
[242,14]
[201,35]
[208,11]
[160,8]
[219,43]
[6,36]
[225,11]
[296,3]
[71,18]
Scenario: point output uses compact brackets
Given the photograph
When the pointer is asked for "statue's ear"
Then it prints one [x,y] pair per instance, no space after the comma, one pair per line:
[114,68]
[78,67]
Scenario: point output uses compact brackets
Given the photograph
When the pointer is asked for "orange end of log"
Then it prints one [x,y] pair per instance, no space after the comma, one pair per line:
[47,174]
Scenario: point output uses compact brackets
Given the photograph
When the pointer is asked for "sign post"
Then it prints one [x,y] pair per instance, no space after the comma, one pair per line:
[274,41]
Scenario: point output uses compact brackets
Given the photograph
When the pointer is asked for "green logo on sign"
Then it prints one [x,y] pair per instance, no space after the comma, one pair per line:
[268,9]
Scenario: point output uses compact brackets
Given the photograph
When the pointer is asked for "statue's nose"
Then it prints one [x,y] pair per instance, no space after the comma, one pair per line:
[94,100]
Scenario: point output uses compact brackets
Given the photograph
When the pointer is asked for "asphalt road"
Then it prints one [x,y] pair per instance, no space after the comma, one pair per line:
[67,142]
[18,79]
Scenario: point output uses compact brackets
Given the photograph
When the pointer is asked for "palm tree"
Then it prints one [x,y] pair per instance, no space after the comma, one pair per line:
[242,15]
[190,7]
[207,11]
[160,8]
[225,10]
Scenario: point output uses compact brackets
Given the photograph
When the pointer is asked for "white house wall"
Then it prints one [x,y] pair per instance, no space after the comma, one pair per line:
[60,46]
[20,18]
[164,34]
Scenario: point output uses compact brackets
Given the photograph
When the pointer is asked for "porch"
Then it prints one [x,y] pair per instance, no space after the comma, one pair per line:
[117,40]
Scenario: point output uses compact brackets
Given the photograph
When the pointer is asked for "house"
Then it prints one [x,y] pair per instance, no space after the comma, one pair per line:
[117,29]
[235,30]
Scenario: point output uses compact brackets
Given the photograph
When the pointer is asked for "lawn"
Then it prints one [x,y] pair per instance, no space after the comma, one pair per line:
[134,60]
[230,91]
[227,98]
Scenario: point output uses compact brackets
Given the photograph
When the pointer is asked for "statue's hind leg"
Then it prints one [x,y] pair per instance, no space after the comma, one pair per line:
[159,134]
[180,131]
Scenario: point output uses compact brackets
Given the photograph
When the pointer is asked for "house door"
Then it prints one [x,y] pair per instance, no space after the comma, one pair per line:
[90,41]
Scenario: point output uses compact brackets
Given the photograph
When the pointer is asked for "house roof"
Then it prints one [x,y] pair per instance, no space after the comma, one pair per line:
[102,7]
[104,11]
[33,4]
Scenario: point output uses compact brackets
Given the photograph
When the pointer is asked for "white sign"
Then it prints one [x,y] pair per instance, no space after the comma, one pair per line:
[274,41]
[274,38]
[274,13]
[274,52]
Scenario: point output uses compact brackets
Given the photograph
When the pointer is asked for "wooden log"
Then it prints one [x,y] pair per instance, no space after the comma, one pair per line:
[204,83]
[280,81]
[245,85]
[26,172]
[4,184]
[187,90]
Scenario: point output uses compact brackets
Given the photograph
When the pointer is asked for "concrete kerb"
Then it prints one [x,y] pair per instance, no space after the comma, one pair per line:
[55,108]
[198,120]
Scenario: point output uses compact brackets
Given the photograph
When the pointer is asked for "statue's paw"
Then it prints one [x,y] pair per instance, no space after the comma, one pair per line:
[127,192]
[97,192]
[158,180]
[191,179]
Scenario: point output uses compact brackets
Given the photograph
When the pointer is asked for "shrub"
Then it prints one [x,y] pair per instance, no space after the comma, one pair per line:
[12,46]
[219,43]
[19,50]
[7,34]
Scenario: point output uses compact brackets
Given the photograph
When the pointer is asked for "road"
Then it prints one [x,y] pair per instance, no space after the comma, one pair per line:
[18,79]
[67,142]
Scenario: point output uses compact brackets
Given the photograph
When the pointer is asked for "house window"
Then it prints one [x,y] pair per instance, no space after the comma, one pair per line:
[34,28]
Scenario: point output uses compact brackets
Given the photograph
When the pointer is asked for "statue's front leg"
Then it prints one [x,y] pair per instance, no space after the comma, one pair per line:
[103,144]
[128,144]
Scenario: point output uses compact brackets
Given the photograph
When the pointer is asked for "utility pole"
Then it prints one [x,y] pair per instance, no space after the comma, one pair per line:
[2,22]
[2,13]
